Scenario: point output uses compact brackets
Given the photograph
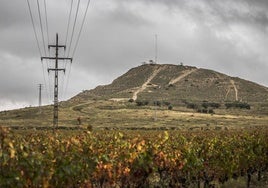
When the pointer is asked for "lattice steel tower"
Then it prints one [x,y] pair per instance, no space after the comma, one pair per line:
[56,70]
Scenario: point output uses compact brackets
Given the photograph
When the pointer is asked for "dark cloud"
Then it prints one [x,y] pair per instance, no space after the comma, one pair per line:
[19,79]
[12,13]
[227,36]
[122,15]
[223,12]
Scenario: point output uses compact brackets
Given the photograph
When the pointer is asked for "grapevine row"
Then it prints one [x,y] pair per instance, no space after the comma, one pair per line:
[130,158]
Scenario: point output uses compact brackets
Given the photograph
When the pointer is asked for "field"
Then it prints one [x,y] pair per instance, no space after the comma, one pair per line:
[107,114]
[80,158]
[120,144]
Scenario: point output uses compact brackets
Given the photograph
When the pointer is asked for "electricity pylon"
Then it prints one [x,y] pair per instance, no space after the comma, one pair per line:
[40,96]
[56,70]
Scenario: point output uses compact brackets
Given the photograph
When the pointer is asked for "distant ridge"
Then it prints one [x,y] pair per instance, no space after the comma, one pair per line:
[176,83]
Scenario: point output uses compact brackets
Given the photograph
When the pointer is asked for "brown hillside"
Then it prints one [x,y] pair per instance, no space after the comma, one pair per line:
[183,88]
[176,83]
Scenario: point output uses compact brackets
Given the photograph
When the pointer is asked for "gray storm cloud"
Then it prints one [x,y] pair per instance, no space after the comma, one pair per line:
[226,36]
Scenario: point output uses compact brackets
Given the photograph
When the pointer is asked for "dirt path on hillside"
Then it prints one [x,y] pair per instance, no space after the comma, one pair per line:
[72,108]
[186,73]
[235,88]
[145,84]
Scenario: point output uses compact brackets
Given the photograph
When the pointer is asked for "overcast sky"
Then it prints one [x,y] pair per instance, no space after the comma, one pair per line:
[226,36]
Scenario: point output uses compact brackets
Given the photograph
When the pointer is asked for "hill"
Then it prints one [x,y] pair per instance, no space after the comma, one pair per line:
[177,84]
[157,97]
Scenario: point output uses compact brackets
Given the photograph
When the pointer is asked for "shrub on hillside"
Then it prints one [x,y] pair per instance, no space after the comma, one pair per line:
[166,103]
[139,103]
[146,102]
[192,105]
[142,103]
[241,105]
[211,111]
[157,103]
[205,111]
[205,107]
[210,104]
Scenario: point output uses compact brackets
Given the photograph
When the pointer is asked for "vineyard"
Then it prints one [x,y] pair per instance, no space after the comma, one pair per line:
[81,158]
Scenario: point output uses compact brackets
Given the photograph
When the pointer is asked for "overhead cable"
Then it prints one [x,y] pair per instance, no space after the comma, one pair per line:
[45,81]
[76,44]
[66,37]
[82,25]
[69,20]
[35,33]
[46,22]
[41,27]
[75,20]
[68,79]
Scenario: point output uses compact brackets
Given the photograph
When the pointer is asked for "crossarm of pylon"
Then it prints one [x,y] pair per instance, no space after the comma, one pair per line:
[59,58]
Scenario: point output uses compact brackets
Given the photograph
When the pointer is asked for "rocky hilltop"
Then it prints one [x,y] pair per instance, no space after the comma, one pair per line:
[175,84]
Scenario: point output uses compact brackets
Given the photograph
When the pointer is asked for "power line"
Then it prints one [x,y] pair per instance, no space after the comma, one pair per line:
[61,89]
[66,37]
[82,25]
[46,21]
[69,20]
[47,32]
[47,93]
[35,33]
[76,44]
[56,70]
[72,35]
[65,81]
[50,86]
[77,10]
[41,26]
[48,40]
[68,79]
[37,42]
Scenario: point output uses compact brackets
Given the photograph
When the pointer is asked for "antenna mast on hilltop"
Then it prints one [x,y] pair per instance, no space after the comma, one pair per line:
[56,70]
[156,49]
